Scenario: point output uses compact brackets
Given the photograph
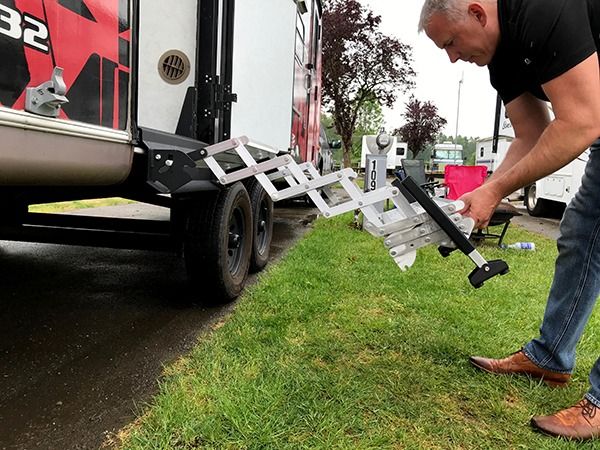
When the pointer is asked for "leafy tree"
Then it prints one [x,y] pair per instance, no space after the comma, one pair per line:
[422,125]
[370,117]
[369,121]
[360,65]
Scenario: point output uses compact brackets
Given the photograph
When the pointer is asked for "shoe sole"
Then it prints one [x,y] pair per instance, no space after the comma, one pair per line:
[550,383]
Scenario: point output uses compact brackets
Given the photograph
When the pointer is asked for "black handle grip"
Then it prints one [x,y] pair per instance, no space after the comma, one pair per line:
[487,271]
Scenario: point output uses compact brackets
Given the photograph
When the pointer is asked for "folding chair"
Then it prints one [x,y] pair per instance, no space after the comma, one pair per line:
[462,179]
[415,168]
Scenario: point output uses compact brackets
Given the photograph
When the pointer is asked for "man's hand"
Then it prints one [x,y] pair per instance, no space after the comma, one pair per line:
[480,204]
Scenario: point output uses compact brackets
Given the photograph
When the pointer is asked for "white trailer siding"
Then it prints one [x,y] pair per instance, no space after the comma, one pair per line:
[445,154]
[485,155]
[562,185]
[263,70]
[263,67]
[163,27]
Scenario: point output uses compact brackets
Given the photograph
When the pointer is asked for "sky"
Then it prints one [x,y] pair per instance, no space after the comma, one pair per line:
[437,78]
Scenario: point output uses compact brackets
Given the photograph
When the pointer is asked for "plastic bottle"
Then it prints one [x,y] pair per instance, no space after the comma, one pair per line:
[520,246]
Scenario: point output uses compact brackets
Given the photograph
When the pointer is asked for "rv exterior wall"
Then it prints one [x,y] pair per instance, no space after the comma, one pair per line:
[445,154]
[484,152]
[264,80]
[88,143]
[160,103]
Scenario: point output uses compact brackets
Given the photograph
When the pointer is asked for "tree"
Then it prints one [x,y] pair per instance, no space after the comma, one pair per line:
[360,65]
[422,125]
[369,121]
[370,117]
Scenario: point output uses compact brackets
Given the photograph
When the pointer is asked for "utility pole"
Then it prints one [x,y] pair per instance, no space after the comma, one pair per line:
[460,82]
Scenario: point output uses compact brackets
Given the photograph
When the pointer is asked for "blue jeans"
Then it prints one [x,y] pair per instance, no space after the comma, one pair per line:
[576,283]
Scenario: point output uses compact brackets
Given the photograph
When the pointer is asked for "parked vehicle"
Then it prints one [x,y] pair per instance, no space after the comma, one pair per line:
[490,156]
[325,163]
[108,98]
[395,150]
[445,154]
[549,195]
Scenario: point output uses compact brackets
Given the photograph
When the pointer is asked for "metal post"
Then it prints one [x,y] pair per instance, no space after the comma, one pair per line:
[460,82]
[375,172]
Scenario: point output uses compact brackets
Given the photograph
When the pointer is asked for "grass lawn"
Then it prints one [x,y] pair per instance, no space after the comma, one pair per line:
[77,204]
[335,348]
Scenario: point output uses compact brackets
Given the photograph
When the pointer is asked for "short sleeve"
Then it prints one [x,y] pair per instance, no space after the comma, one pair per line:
[541,40]
[558,40]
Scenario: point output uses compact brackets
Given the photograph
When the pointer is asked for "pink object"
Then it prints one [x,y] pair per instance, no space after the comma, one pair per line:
[462,179]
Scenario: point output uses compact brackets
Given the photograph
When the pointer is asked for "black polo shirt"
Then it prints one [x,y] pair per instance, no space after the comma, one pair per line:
[539,41]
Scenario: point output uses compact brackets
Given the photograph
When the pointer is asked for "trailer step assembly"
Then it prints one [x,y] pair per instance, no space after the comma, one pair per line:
[405,228]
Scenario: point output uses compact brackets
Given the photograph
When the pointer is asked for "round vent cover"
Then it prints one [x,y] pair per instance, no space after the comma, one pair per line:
[174,67]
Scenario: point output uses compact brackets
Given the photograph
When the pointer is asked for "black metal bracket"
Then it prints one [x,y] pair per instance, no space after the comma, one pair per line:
[480,274]
[224,97]
[172,163]
[214,58]
[220,97]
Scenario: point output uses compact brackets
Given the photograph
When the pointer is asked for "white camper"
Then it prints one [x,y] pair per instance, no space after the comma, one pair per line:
[552,193]
[396,151]
[485,154]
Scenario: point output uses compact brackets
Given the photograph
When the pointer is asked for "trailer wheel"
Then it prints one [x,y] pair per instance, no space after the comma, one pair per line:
[536,207]
[218,242]
[262,220]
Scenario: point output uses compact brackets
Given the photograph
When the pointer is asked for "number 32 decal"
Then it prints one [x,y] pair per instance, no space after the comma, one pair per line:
[33,32]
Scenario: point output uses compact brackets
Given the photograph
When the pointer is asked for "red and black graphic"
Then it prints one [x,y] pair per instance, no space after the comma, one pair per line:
[89,39]
[14,73]
[78,7]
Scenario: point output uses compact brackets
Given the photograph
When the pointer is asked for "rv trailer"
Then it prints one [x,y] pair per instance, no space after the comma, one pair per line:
[104,98]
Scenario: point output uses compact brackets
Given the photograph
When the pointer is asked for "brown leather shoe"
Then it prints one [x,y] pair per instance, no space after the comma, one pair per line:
[518,363]
[580,422]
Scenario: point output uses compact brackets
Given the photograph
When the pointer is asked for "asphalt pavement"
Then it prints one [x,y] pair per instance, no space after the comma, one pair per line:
[85,332]
[543,225]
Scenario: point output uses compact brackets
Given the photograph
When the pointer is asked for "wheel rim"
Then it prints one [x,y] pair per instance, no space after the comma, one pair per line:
[235,246]
[262,229]
[531,197]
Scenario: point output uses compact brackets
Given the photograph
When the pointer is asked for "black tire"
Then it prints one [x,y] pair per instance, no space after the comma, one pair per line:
[217,243]
[262,225]
[536,207]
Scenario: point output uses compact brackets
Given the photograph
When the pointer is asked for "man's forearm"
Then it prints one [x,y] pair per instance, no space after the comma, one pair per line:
[517,150]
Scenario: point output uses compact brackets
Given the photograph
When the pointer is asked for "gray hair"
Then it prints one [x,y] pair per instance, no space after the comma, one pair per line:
[453,9]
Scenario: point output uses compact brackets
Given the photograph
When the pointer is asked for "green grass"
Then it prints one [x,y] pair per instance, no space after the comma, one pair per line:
[335,348]
[77,204]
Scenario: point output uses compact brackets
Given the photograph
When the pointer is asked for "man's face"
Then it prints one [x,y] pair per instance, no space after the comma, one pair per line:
[465,40]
